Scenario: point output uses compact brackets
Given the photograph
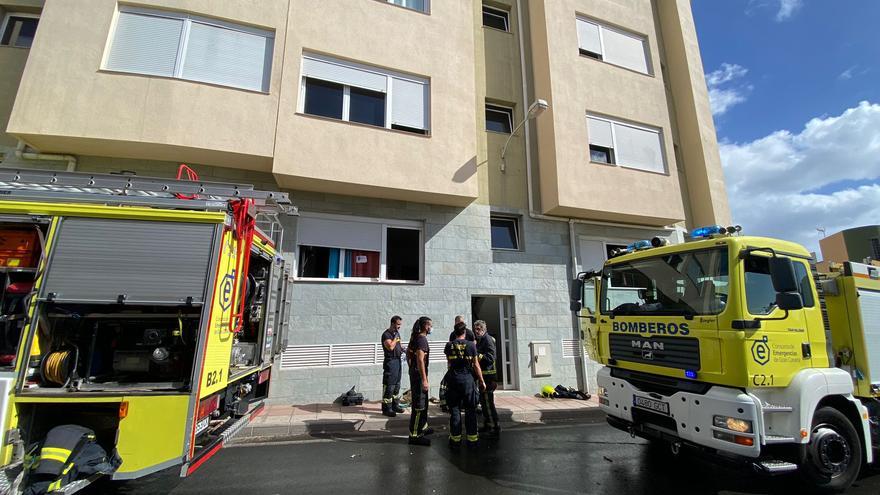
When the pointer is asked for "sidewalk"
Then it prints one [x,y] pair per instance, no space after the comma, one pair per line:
[277,422]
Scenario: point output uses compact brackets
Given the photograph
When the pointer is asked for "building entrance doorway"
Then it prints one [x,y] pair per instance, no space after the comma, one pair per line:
[498,313]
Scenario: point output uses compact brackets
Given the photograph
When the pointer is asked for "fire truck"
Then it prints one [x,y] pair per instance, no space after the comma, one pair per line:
[736,346]
[146,311]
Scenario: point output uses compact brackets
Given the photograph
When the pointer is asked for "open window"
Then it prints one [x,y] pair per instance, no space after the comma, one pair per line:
[331,247]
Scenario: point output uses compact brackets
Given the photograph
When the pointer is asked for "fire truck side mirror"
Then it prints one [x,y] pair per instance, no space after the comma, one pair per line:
[789,301]
[782,275]
[577,294]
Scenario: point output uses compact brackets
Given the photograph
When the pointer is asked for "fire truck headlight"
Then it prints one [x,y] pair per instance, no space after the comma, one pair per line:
[733,424]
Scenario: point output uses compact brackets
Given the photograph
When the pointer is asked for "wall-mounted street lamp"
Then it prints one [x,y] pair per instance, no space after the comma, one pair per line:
[535,109]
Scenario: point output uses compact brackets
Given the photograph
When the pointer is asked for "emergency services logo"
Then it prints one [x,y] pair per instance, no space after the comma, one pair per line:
[226,286]
[761,351]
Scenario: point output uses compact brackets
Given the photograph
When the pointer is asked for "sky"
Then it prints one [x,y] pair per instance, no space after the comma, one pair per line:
[795,90]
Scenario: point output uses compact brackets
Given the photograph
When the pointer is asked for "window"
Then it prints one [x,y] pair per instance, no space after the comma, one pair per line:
[496,18]
[183,46]
[358,249]
[627,145]
[760,294]
[499,119]
[875,248]
[692,283]
[505,232]
[613,46]
[601,154]
[359,93]
[19,30]
[420,5]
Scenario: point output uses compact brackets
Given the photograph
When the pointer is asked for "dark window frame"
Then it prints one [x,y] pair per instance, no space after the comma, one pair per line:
[496,13]
[517,231]
[8,26]
[875,248]
[499,109]
[328,85]
[609,152]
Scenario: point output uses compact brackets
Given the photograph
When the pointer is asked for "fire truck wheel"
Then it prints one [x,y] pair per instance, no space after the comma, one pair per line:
[833,458]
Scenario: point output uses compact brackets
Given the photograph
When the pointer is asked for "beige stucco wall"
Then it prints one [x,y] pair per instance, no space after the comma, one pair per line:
[499,82]
[577,85]
[698,144]
[12,60]
[330,156]
[66,103]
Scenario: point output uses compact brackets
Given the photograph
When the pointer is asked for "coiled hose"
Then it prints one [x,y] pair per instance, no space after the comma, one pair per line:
[57,367]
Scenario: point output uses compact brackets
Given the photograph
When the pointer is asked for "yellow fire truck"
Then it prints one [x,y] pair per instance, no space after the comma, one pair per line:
[148,311]
[737,346]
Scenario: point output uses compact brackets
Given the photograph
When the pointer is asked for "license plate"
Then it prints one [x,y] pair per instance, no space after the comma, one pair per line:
[203,424]
[651,404]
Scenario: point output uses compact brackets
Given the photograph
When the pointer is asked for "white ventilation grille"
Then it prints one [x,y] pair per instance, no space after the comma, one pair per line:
[353,355]
[345,355]
[305,356]
[571,348]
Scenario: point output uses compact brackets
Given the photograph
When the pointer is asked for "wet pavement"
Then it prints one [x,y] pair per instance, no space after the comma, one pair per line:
[587,457]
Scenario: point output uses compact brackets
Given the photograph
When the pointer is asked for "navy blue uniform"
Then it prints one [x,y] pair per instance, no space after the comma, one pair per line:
[461,390]
[419,418]
[391,370]
[486,354]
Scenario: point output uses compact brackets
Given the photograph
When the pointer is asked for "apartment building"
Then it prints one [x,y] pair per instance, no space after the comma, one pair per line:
[447,156]
[856,244]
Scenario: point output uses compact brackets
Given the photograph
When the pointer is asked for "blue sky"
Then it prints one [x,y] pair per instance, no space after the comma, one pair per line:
[795,87]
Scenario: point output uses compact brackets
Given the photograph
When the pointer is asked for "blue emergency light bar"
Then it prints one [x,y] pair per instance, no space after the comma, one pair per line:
[708,231]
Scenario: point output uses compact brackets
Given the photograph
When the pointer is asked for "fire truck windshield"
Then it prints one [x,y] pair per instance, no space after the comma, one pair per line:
[689,283]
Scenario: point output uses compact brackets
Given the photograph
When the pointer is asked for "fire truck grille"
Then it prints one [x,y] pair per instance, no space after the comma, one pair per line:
[673,352]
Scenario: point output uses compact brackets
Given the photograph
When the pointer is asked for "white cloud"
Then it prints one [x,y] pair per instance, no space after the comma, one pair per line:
[847,74]
[723,92]
[783,185]
[787,8]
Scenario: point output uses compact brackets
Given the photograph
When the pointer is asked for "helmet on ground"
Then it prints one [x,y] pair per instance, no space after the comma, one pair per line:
[548,391]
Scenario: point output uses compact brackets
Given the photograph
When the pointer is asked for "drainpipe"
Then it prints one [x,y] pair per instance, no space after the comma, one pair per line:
[21,154]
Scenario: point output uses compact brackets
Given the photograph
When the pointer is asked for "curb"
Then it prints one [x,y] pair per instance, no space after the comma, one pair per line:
[399,425]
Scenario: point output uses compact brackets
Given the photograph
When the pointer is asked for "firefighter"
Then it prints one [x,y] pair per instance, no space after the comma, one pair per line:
[486,354]
[469,335]
[417,354]
[461,392]
[391,368]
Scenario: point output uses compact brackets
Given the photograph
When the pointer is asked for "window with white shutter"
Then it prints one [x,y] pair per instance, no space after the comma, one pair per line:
[362,93]
[184,46]
[628,145]
[613,45]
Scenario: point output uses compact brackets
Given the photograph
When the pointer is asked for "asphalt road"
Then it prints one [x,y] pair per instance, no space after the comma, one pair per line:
[577,458]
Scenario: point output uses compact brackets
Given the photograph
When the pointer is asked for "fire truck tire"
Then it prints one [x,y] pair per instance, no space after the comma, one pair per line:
[833,458]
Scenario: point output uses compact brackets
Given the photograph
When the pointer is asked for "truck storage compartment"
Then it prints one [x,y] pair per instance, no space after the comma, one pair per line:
[21,248]
[36,419]
[99,260]
[106,348]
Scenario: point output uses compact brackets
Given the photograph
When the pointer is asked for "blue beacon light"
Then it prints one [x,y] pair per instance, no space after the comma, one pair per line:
[691,374]
[708,231]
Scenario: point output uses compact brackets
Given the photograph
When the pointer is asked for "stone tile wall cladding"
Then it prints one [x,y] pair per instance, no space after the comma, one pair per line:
[459,264]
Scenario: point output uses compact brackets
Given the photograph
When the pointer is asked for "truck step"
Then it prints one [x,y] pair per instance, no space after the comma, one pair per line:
[773,408]
[775,439]
[775,467]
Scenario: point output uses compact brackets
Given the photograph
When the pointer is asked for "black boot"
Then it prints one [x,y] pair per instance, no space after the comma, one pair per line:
[395,406]
[387,411]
